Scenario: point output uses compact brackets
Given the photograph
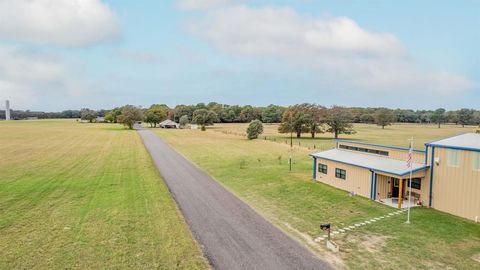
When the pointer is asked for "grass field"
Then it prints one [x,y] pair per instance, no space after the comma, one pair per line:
[257,171]
[86,196]
[395,135]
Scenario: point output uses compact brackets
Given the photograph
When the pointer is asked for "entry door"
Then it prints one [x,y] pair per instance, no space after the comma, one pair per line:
[396,185]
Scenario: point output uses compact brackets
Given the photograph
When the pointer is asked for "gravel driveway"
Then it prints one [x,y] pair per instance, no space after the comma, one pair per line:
[232,235]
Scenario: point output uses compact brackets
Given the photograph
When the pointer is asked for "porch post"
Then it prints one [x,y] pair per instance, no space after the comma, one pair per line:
[400,194]
[391,187]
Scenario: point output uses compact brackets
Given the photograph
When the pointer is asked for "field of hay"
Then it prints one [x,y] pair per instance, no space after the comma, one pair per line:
[86,196]
[394,135]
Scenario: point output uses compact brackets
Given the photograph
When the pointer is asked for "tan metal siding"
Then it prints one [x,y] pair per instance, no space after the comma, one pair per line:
[456,190]
[383,186]
[358,179]
[393,153]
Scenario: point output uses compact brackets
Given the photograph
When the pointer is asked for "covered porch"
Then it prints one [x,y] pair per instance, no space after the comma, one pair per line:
[394,190]
[393,202]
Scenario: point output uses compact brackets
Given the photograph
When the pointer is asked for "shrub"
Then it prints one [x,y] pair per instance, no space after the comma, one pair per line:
[184,121]
[254,129]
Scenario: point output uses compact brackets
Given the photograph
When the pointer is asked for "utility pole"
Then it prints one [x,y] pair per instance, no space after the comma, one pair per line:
[291,150]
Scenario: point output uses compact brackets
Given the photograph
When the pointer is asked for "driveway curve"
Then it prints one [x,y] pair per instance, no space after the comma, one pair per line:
[232,235]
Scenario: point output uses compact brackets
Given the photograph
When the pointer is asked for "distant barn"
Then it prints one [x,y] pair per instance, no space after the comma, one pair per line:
[169,124]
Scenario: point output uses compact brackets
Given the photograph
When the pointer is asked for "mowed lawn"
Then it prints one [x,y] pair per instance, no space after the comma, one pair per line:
[257,171]
[394,135]
[86,196]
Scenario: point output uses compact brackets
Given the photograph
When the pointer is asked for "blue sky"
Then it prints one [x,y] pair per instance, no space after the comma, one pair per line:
[101,54]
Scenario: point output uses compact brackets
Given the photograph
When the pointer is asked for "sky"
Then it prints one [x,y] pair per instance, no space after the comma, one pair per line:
[70,54]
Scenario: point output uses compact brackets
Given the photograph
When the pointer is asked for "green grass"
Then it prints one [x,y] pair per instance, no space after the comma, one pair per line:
[394,135]
[86,196]
[257,171]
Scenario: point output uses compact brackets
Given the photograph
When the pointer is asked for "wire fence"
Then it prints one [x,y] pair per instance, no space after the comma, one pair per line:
[296,143]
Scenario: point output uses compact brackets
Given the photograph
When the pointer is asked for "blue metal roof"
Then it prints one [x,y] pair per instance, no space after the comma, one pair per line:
[370,161]
[465,141]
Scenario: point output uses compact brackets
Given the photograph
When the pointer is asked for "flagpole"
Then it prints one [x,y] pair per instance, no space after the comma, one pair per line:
[410,181]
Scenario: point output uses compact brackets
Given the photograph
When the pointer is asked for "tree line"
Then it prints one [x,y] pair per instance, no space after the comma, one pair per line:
[302,118]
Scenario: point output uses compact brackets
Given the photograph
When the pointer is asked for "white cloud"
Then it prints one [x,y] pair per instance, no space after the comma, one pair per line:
[32,79]
[59,22]
[203,4]
[335,48]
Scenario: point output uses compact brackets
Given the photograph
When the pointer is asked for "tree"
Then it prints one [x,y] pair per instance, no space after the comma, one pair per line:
[465,117]
[181,110]
[272,114]
[452,117]
[367,118]
[218,109]
[230,116]
[249,113]
[155,116]
[87,114]
[151,118]
[438,116]
[339,121]
[315,118]
[384,117]
[184,121]
[254,129]
[204,117]
[130,114]
[112,115]
[295,120]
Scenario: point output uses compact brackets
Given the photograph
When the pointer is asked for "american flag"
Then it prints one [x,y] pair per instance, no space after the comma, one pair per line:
[410,156]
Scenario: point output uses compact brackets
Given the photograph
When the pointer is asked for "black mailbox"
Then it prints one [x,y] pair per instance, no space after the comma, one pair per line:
[325,227]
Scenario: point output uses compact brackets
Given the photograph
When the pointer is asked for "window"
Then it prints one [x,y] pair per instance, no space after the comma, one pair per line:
[361,149]
[322,168]
[396,182]
[416,183]
[476,161]
[453,158]
[339,173]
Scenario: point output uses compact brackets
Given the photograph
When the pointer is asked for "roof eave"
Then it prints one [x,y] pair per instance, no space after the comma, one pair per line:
[374,169]
[453,147]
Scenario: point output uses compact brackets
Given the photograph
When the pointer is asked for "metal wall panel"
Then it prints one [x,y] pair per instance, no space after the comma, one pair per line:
[456,190]
[358,179]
